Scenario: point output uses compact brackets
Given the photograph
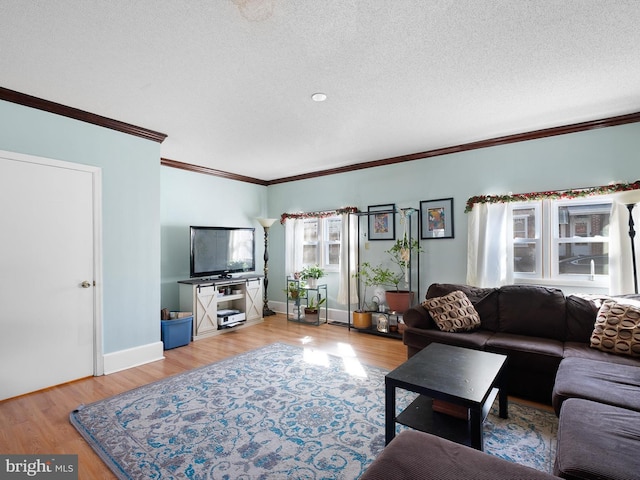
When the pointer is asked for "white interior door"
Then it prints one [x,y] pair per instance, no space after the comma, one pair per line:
[48,232]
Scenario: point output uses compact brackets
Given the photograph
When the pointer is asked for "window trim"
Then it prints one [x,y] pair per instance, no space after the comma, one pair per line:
[322,243]
[548,241]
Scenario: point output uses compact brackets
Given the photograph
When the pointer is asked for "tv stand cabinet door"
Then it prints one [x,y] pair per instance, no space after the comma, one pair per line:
[206,310]
[253,299]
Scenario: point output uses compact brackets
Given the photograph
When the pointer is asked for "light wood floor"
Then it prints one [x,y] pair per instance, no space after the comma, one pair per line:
[38,423]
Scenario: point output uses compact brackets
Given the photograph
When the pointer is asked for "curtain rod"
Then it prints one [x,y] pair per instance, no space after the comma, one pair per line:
[553,194]
[322,214]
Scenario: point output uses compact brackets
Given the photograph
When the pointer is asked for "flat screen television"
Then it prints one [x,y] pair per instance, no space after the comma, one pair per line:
[222,251]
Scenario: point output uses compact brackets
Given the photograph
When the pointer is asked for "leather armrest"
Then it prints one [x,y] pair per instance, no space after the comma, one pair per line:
[418,317]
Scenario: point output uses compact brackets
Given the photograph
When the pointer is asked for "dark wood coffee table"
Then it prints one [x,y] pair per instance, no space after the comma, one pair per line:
[460,376]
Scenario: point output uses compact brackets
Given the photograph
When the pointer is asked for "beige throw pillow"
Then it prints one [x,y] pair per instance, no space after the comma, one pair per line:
[617,328]
[453,312]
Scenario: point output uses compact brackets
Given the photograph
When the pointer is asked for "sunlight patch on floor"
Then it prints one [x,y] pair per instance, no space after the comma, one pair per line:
[353,367]
[351,363]
[343,350]
[315,357]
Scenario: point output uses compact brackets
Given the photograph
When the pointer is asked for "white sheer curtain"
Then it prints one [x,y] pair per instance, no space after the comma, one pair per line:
[293,231]
[348,260]
[620,259]
[489,256]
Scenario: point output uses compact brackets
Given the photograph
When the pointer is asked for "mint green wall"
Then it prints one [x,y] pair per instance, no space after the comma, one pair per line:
[147,209]
[190,198]
[130,215]
[584,159]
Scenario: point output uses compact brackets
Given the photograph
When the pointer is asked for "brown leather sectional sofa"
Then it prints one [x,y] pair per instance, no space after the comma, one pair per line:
[546,336]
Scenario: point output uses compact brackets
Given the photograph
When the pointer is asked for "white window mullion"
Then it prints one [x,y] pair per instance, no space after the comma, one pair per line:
[547,237]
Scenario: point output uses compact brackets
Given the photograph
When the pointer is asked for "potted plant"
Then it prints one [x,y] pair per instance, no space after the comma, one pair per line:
[295,291]
[311,274]
[368,276]
[401,254]
[311,310]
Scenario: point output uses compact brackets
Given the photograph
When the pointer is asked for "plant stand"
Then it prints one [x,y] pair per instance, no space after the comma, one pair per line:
[413,276]
[392,320]
[298,308]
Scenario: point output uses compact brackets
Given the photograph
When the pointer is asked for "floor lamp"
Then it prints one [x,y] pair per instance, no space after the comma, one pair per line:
[630,198]
[266,223]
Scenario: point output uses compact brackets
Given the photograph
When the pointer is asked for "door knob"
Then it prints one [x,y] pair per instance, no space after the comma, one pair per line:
[85,284]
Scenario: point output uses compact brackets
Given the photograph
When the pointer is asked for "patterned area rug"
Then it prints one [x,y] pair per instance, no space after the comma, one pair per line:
[273,413]
[528,436]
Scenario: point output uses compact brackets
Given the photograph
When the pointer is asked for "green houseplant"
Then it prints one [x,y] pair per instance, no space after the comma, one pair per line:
[400,254]
[368,276]
[311,274]
[313,307]
[311,310]
[295,291]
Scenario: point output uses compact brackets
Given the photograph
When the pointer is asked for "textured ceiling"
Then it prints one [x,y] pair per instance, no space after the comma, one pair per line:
[230,81]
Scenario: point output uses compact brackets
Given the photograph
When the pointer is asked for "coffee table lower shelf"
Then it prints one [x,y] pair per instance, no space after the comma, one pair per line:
[420,415]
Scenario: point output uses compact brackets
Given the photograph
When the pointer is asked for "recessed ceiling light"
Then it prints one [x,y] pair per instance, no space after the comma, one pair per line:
[319,97]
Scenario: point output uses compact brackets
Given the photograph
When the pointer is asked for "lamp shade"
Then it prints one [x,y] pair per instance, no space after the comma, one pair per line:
[266,222]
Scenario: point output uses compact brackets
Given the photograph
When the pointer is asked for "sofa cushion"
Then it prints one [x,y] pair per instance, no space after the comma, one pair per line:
[453,312]
[484,300]
[531,353]
[414,455]
[597,441]
[617,328]
[582,311]
[418,338]
[532,310]
[584,350]
[531,366]
[604,382]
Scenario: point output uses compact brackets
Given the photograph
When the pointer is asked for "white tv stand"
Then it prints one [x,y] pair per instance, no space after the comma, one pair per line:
[205,297]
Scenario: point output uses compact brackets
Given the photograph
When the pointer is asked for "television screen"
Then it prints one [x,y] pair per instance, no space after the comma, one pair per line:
[222,251]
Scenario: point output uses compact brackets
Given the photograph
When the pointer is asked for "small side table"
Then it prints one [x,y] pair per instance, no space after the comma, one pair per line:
[463,377]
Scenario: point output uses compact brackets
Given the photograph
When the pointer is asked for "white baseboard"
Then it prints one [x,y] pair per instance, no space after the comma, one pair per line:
[133,357]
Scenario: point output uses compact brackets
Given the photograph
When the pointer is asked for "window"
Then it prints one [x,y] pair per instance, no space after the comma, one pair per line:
[310,242]
[561,239]
[581,238]
[527,245]
[321,242]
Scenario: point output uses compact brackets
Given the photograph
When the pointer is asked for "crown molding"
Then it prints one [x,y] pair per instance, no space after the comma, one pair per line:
[59,109]
[70,112]
[493,142]
[210,171]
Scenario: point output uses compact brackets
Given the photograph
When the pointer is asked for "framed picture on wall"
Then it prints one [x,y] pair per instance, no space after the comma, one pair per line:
[436,217]
[382,222]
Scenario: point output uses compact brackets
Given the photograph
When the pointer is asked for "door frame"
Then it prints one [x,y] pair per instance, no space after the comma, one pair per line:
[96,175]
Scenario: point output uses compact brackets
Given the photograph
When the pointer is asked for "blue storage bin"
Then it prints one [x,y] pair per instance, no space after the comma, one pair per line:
[176,333]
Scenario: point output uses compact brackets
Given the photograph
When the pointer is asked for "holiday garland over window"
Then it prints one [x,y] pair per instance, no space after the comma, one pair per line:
[554,195]
[324,214]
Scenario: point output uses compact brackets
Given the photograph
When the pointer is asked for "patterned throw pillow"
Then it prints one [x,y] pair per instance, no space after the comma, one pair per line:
[453,312]
[617,328]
